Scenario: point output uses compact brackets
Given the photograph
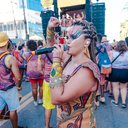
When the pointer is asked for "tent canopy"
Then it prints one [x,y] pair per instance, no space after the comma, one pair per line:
[67,3]
[63,3]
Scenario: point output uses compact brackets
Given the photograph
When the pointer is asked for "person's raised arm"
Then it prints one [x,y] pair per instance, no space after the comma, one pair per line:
[82,14]
[83,81]
[52,24]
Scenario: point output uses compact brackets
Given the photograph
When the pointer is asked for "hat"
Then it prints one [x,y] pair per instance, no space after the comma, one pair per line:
[104,39]
[3,39]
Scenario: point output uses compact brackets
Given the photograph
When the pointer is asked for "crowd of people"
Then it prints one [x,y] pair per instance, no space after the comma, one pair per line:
[67,21]
[72,81]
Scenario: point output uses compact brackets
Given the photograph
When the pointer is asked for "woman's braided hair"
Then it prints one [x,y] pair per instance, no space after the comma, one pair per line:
[89,31]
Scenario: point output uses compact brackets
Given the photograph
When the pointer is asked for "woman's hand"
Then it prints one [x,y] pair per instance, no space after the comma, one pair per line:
[58,52]
[53,22]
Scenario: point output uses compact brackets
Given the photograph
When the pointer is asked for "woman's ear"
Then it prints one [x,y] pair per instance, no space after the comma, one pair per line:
[87,42]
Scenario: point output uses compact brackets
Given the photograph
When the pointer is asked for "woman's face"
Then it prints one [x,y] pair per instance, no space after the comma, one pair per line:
[75,40]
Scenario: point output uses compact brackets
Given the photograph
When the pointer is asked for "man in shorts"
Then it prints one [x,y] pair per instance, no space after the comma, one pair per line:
[9,78]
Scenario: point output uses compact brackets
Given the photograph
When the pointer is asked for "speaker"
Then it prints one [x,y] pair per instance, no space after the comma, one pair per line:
[45,16]
[98,17]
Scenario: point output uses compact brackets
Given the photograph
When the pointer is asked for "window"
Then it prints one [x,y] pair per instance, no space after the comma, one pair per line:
[11,27]
[1,27]
[5,27]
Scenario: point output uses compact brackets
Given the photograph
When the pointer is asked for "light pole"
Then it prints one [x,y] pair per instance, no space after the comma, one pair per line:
[25,22]
[14,19]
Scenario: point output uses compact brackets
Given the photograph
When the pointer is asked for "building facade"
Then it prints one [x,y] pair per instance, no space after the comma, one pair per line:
[13,21]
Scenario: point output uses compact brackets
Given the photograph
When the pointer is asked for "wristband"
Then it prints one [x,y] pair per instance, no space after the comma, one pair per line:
[50,32]
[56,75]
[57,58]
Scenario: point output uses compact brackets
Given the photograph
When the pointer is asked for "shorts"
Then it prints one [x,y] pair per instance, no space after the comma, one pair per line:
[9,97]
[46,96]
[118,75]
[35,81]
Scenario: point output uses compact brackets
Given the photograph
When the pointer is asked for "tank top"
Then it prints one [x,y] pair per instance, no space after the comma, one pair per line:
[6,75]
[121,62]
[32,67]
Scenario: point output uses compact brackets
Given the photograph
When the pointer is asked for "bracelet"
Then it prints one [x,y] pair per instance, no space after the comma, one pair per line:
[55,61]
[58,58]
[50,32]
[56,82]
[56,75]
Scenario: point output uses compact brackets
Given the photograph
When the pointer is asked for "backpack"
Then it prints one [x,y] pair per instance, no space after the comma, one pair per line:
[104,62]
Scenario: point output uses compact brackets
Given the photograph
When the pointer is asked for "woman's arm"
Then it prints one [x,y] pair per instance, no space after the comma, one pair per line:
[82,82]
[53,22]
[82,14]
[110,55]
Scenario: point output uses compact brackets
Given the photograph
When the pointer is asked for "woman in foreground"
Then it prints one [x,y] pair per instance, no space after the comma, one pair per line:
[73,85]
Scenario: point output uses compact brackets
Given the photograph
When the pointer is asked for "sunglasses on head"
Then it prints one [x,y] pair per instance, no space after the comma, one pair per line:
[76,35]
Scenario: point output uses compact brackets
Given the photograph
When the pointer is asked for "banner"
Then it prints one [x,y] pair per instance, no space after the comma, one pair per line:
[67,3]
[46,3]
[63,3]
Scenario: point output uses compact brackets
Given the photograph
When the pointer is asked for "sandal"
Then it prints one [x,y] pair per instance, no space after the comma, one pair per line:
[102,100]
[113,102]
[124,105]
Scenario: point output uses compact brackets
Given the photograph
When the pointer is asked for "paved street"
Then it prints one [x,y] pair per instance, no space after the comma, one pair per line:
[110,116]
[107,116]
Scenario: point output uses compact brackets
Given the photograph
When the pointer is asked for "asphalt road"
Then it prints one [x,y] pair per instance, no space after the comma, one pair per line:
[107,116]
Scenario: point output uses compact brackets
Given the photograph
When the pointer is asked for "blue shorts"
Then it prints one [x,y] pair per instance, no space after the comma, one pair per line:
[9,97]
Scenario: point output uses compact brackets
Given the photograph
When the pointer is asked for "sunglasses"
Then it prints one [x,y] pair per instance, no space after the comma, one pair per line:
[74,36]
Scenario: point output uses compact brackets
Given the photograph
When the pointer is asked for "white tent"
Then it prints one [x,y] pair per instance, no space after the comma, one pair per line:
[35,37]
